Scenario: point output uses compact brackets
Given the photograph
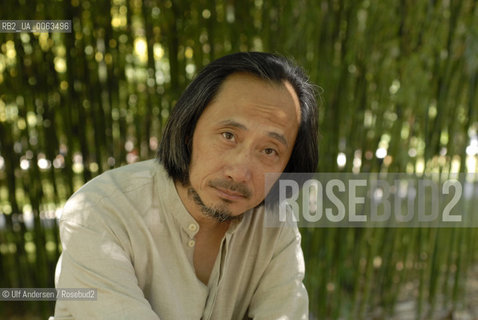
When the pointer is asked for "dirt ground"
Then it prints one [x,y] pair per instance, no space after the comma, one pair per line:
[406,308]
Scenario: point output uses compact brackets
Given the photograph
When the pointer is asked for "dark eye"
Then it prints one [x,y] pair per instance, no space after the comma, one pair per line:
[270,151]
[228,135]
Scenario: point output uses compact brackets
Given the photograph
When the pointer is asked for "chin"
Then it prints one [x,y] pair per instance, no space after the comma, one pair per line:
[243,209]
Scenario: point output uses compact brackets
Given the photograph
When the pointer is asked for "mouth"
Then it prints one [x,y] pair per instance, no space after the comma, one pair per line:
[229,195]
[230,191]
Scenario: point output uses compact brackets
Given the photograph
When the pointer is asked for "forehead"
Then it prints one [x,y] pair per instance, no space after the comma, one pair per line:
[248,96]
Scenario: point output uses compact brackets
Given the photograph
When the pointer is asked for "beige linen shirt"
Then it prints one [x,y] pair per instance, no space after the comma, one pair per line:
[128,234]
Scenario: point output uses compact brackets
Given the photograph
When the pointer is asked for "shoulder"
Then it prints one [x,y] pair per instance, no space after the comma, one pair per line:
[124,179]
[128,185]
[267,231]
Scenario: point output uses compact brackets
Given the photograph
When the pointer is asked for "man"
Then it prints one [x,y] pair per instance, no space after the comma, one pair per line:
[184,237]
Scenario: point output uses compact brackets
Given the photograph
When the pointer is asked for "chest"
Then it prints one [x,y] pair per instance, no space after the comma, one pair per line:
[205,254]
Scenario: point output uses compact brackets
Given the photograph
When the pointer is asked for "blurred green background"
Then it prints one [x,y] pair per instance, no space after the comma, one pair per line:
[398,83]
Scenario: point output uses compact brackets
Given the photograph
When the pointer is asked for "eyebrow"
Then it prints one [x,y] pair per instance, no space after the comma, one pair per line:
[277,136]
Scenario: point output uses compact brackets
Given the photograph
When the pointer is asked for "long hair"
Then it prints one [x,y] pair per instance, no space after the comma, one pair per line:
[176,144]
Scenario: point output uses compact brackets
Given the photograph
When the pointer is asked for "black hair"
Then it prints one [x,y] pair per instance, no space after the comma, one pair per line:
[176,143]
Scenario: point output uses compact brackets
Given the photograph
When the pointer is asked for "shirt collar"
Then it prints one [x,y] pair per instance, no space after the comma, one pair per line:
[169,196]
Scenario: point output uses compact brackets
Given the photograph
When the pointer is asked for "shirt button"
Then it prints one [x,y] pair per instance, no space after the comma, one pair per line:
[192,227]
[191,243]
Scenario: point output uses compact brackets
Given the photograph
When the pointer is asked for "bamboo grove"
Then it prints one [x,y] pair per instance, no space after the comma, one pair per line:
[397,82]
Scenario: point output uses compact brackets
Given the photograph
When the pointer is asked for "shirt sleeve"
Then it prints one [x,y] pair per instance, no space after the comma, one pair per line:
[281,293]
[94,256]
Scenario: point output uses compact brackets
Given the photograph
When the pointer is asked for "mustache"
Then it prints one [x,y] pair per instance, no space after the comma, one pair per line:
[242,189]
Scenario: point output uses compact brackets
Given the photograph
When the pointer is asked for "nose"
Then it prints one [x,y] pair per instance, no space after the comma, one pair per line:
[239,166]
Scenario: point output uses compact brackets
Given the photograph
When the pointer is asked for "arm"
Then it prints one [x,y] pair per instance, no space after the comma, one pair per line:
[93,257]
[281,293]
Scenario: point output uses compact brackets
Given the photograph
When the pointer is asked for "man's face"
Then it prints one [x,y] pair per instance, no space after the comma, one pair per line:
[249,129]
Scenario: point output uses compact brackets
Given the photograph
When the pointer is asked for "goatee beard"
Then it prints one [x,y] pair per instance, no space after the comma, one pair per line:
[220,213]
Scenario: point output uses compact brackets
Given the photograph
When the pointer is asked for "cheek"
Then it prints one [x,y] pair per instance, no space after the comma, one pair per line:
[269,180]
[205,149]
[203,162]
[201,149]
[260,185]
